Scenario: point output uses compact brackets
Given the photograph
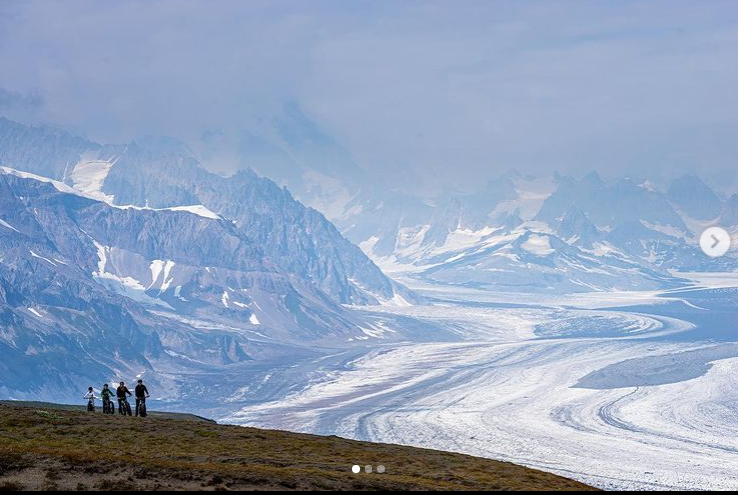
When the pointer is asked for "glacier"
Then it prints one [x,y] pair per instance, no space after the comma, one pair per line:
[639,394]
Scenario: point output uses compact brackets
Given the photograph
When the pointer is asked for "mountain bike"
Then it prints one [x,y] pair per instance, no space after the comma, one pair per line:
[91,405]
[124,407]
[108,407]
[141,407]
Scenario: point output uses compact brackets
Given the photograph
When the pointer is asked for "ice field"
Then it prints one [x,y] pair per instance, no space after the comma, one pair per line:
[641,393]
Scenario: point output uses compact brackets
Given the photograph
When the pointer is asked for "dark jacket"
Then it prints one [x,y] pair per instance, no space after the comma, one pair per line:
[122,391]
[141,391]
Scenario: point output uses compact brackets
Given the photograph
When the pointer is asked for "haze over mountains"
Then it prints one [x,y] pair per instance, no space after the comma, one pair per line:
[216,272]
[468,226]
[575,234]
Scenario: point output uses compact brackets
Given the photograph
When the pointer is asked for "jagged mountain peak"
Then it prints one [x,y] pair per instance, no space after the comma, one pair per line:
[608,206]
[576,228]
[695,198]
[593,179]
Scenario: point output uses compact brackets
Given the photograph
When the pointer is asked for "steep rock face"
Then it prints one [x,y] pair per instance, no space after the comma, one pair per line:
[164,256]
[298,239]
[57,323]
[43,150]
[576,228]
[162,173]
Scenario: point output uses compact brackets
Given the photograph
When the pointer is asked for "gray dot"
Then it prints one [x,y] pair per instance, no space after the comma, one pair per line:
[380,469]
[368,469]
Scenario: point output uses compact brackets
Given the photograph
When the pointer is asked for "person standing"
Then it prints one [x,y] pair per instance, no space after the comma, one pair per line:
[106,395]
[90,396]
[142,393]
[124,407]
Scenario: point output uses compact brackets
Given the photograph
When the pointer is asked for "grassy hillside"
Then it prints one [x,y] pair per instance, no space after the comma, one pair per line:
[46,448]
[66,407]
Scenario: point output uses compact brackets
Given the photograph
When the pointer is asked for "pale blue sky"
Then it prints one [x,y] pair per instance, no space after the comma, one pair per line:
[456,90]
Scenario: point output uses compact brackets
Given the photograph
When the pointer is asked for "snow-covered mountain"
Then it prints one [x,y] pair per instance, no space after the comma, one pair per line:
[162,173]
[516,232]
[90,292]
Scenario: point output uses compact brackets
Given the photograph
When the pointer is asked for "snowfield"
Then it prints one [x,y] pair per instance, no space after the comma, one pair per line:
[617,398]
[88,176]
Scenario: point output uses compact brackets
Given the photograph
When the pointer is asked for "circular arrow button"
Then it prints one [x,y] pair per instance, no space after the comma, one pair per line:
[715,242]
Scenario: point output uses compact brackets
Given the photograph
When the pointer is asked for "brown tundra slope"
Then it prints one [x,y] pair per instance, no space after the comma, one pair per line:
[43,447]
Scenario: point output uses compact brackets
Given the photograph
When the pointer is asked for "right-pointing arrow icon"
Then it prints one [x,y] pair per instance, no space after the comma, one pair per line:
[715,242]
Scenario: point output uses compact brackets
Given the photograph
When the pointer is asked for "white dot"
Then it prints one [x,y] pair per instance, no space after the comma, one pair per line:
[356,469]
[380,469]
[368,469]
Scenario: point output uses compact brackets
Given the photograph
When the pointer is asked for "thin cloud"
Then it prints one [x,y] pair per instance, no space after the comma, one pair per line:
[453,91]
[13,100]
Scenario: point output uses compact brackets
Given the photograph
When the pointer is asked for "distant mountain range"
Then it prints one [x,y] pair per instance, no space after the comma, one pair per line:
[532,234]
[515,233]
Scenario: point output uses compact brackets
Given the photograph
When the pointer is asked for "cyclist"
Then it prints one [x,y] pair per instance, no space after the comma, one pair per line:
[106,394]
[142,393]
[90,396]
[122,392]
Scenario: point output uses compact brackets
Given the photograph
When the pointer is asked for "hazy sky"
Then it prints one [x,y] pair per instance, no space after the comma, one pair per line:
[451,89]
